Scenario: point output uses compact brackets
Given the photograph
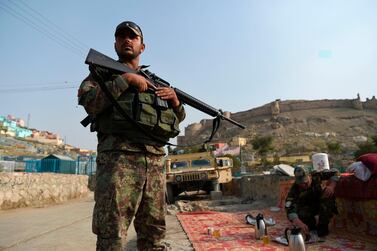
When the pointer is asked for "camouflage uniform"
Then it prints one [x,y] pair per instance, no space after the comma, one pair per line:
[129,179]
[305,204]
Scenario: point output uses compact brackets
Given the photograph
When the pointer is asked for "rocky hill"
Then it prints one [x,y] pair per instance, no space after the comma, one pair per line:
[297,126]
[14,147]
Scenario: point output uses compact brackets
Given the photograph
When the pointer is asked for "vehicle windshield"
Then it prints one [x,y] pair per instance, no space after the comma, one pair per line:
[200,162]
[223,162]
[179,164]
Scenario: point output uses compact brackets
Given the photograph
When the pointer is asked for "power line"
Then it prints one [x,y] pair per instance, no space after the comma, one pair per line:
[43,30]
[35,89]
[35,84]
[29,22]
[52,25]
[33,18]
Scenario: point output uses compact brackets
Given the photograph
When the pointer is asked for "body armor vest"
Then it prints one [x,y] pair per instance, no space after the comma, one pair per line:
[144,108]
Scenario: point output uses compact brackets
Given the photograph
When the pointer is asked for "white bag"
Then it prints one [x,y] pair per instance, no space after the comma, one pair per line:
[360,170]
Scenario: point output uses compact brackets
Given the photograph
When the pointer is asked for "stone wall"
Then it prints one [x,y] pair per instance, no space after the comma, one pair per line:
[193,128]
[262,187]
[315,104]
[370,103]
[39,189]
[255,112]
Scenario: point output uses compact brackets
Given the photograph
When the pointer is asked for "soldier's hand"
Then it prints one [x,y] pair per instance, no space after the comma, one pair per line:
[329,190]
[298,223]
[168,93]
[141,83]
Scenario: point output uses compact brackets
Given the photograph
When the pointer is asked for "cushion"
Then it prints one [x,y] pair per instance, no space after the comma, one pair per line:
[370,161]
[360,170]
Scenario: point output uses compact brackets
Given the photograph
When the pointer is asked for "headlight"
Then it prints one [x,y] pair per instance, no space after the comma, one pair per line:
[178,178]
[203,176]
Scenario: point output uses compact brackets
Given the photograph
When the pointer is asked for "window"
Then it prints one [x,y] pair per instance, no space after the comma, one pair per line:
[223,162]
[219,162]
[179,164]
[226,162]
[200,162]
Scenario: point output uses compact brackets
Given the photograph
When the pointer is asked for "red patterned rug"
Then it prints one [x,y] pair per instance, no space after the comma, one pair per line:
[236,235]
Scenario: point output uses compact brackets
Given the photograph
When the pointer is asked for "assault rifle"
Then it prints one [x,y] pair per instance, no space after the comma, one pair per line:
[97,59]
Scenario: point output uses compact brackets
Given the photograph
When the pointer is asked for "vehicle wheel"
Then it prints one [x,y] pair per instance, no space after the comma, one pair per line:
[170,195]
[208,187]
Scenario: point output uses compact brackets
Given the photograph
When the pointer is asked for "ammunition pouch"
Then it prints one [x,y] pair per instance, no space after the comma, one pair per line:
[152,115]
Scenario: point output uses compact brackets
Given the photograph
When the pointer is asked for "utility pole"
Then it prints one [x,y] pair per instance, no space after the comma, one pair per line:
[242,168]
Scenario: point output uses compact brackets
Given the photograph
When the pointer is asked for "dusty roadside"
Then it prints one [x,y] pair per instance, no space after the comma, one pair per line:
[67,226]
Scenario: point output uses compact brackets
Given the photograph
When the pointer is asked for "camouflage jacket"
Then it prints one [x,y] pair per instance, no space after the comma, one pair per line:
[307,202]
[94,100]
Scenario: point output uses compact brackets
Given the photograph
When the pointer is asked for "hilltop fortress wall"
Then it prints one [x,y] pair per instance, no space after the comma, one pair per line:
[370,103]
[276,107]
[318,104]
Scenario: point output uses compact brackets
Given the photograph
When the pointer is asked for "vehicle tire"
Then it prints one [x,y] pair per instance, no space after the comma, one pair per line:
[208,187]
[170,195]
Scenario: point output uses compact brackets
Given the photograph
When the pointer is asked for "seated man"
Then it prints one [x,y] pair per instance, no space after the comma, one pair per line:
[308,205]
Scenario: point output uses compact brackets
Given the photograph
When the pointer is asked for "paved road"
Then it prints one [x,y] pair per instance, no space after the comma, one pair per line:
[66,227]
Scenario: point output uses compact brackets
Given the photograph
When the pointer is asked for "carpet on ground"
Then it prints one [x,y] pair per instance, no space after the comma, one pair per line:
[236,235]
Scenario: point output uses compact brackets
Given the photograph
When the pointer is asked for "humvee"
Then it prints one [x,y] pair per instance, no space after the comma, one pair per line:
[194,172]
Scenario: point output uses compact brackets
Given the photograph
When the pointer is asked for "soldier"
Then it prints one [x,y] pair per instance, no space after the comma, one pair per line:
[130,180]
[308,205]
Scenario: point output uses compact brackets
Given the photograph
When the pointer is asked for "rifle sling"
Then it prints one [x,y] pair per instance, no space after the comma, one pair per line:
[215,127]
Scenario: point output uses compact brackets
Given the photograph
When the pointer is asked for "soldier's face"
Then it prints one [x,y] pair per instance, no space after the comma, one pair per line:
[128,45]
[306,184]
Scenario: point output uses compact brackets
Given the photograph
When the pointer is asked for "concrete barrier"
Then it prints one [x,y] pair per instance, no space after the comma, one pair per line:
[40,189]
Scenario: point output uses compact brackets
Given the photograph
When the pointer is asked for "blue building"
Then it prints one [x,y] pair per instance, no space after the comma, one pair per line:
[53,163]
[13,129]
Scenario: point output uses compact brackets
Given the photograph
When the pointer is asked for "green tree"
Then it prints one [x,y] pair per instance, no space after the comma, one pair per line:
[334,147]
[374,140]
[368,147]
[263,145]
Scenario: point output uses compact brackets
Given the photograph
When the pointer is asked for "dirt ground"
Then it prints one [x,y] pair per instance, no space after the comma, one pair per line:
[67,226]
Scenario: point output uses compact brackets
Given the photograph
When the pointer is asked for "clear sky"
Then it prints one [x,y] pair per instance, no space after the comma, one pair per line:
[234,55]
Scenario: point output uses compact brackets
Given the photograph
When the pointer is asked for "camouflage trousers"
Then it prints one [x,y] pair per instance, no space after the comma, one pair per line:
[129,185]
[327,209]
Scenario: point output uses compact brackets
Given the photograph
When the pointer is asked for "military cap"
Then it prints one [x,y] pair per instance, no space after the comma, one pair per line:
[129,25]
[301,174]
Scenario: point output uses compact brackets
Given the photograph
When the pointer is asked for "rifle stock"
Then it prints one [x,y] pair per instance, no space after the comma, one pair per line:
[98,59]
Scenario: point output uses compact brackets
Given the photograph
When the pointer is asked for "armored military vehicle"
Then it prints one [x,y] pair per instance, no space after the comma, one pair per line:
[194,172]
